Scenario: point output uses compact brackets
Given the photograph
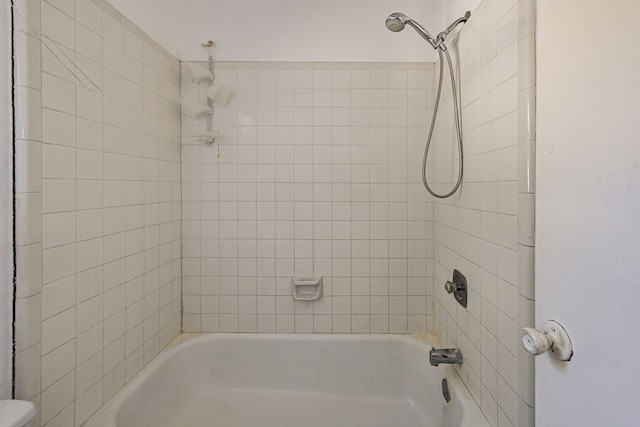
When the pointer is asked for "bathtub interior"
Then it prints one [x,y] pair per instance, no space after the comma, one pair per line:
[281,380]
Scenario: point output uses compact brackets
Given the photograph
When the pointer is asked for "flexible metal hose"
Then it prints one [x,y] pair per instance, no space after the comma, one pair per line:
[457,114]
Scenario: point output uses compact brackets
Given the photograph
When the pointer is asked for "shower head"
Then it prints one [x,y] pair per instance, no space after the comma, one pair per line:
[397,21]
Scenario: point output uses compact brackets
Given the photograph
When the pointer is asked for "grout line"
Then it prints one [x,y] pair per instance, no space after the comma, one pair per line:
[13,197]
[129,25]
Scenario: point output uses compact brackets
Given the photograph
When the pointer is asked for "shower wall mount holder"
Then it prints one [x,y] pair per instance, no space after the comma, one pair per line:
[216,93]
[458,287]
[554,339]
[306,289]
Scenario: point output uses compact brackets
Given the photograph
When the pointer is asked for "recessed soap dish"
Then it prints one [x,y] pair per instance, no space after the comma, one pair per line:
[306,289]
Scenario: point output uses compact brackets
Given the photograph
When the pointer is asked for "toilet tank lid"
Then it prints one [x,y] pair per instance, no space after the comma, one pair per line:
[16,413]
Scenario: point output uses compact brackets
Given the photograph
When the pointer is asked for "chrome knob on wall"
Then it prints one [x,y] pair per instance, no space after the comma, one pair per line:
[450,286]
[458,287]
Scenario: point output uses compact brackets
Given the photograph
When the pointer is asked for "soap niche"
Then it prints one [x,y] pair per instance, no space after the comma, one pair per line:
[306,289]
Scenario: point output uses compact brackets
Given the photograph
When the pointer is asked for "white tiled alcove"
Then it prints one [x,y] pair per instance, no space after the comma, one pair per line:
[310,153]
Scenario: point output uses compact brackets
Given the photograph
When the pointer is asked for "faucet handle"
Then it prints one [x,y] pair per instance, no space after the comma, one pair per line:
[458,287]
[450,286]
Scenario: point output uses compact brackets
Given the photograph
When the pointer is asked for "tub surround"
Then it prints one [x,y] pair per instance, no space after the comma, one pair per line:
[486,230]
[98,211]
[315,173]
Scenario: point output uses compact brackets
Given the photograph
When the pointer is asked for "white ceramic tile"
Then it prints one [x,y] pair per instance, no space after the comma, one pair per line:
[57,22]
[88,44]
[28,60]
[58,262]
[89,314]
[57,397]
[508,400]
[58,229]
[58,363]
[113,354]
[28,373]
[89,164]
[87,403]
[62,226]
[28,313]
[90,194]
[29,177]
[28,106]
[526,222]
[58,161]
[29,268]
[58,296]
[58,329]
[494,110]
[58,60]
[29,207]
[90,15]
[526,278]
[133,44]
[58,128]
[114,302]
[58,94]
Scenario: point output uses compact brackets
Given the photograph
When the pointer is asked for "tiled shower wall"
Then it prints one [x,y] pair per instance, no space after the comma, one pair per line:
[98,205]
[486,230]
[315,173]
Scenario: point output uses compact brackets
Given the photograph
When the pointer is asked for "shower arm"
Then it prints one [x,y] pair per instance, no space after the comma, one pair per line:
[443,35]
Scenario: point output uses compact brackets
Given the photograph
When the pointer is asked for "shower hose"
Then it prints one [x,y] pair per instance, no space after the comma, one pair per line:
[456,108]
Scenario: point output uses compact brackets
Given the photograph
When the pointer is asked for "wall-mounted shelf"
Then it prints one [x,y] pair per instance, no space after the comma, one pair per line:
[306,289]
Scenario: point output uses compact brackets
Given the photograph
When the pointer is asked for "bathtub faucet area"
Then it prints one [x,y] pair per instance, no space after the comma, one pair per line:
[257,379]
[445,355]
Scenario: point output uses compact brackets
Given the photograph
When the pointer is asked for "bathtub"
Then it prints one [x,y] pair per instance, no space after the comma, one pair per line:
[259,380]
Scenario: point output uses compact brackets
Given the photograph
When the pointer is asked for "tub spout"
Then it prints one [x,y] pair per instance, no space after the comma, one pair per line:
[445,355]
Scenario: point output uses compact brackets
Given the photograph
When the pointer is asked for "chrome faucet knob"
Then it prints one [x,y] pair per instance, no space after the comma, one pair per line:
[458,287]
[450,287]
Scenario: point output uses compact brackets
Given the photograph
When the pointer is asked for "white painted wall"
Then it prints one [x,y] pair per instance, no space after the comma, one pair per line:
[291,30]
[6,246]
[588,204]
[304,30]
[158,18]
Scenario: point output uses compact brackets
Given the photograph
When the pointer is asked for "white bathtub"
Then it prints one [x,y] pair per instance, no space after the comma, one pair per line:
[259,380]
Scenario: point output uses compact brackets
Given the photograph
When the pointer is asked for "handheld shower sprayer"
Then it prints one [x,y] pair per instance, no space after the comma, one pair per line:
[396,22]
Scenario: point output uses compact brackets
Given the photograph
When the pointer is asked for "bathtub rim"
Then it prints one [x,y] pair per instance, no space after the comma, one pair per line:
[106,415]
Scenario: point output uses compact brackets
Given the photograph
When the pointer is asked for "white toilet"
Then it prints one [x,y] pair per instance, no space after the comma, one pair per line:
[16,413]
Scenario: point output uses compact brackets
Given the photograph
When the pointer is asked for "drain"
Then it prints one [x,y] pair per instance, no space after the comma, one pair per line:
[445,390]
